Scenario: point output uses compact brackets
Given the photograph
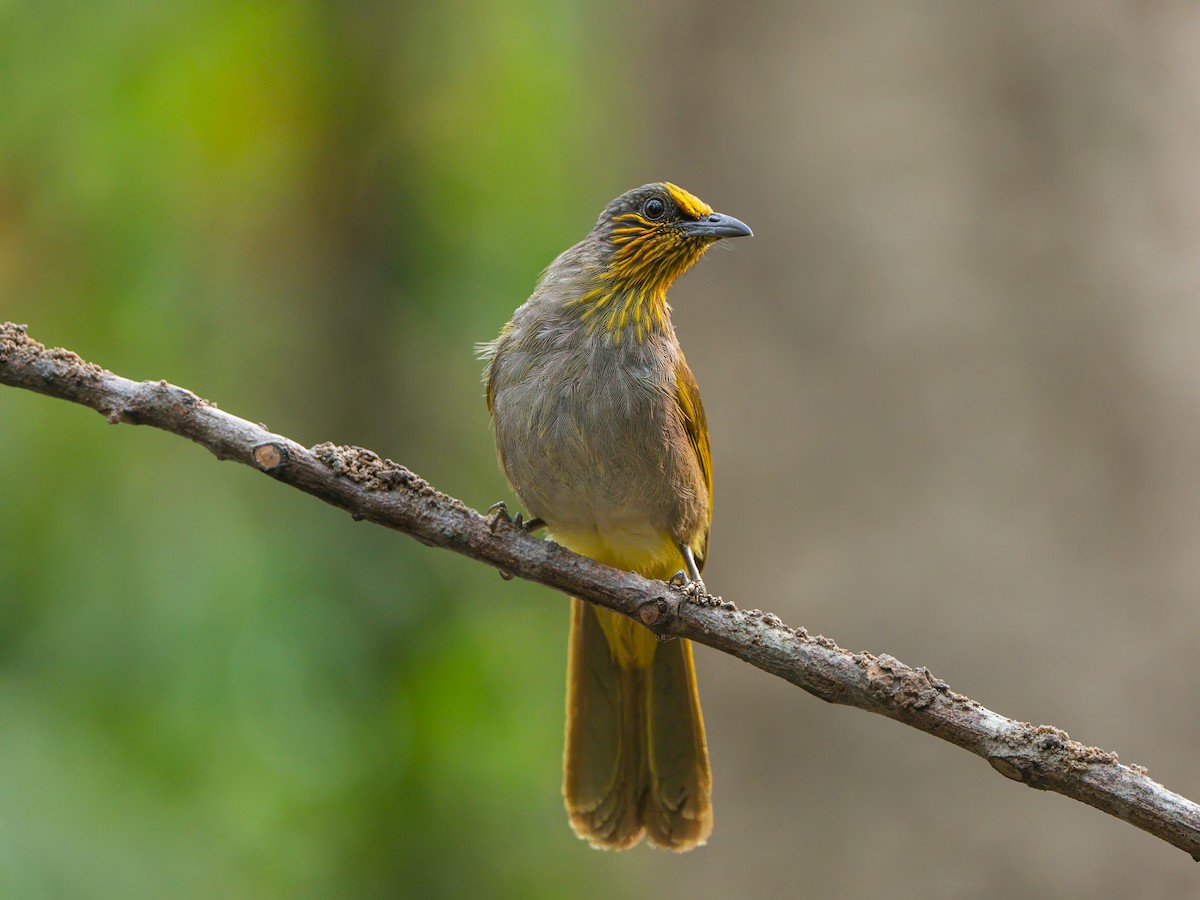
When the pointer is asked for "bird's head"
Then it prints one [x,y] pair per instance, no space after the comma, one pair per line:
[654,233]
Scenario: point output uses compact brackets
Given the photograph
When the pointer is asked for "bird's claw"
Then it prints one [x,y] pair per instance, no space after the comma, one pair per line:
[689,585]
[498,512]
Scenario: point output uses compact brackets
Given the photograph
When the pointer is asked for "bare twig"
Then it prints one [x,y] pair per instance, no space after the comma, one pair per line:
[388,494]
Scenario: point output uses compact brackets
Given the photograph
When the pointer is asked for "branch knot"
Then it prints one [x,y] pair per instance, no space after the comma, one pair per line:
[270,457]
[658,614]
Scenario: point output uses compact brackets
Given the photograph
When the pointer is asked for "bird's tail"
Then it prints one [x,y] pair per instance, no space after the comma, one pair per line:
[636,759]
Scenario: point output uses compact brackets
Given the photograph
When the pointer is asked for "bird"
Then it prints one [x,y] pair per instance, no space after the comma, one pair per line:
[601,433]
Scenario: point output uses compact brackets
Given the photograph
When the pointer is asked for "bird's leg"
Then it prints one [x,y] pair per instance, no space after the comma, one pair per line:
[691,574]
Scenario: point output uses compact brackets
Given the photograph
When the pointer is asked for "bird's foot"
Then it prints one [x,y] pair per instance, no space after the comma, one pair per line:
[498,512]
[688,585]
[688,579]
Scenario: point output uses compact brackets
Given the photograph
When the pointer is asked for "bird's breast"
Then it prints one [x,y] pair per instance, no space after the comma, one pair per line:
[592,441]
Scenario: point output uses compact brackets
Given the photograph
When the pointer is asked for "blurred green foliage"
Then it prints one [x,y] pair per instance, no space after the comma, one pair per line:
[307,212]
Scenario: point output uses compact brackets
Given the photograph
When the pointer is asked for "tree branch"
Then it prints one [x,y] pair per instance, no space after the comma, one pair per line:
[380,491]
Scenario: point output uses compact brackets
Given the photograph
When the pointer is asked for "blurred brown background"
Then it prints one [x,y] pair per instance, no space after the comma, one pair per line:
[951,388]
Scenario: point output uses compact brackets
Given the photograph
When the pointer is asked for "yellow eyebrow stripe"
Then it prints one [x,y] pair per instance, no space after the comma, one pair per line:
[689,204]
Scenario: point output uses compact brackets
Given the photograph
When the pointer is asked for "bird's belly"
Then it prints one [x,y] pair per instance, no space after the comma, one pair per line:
[609,509]
[619,541]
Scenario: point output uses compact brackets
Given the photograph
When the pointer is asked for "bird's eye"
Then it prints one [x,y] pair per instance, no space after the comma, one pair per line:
[654,208]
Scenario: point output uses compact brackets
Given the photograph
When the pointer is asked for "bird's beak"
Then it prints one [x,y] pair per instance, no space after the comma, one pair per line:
[717,225]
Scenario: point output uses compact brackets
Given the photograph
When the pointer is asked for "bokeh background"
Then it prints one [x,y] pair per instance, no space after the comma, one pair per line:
[952,385]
